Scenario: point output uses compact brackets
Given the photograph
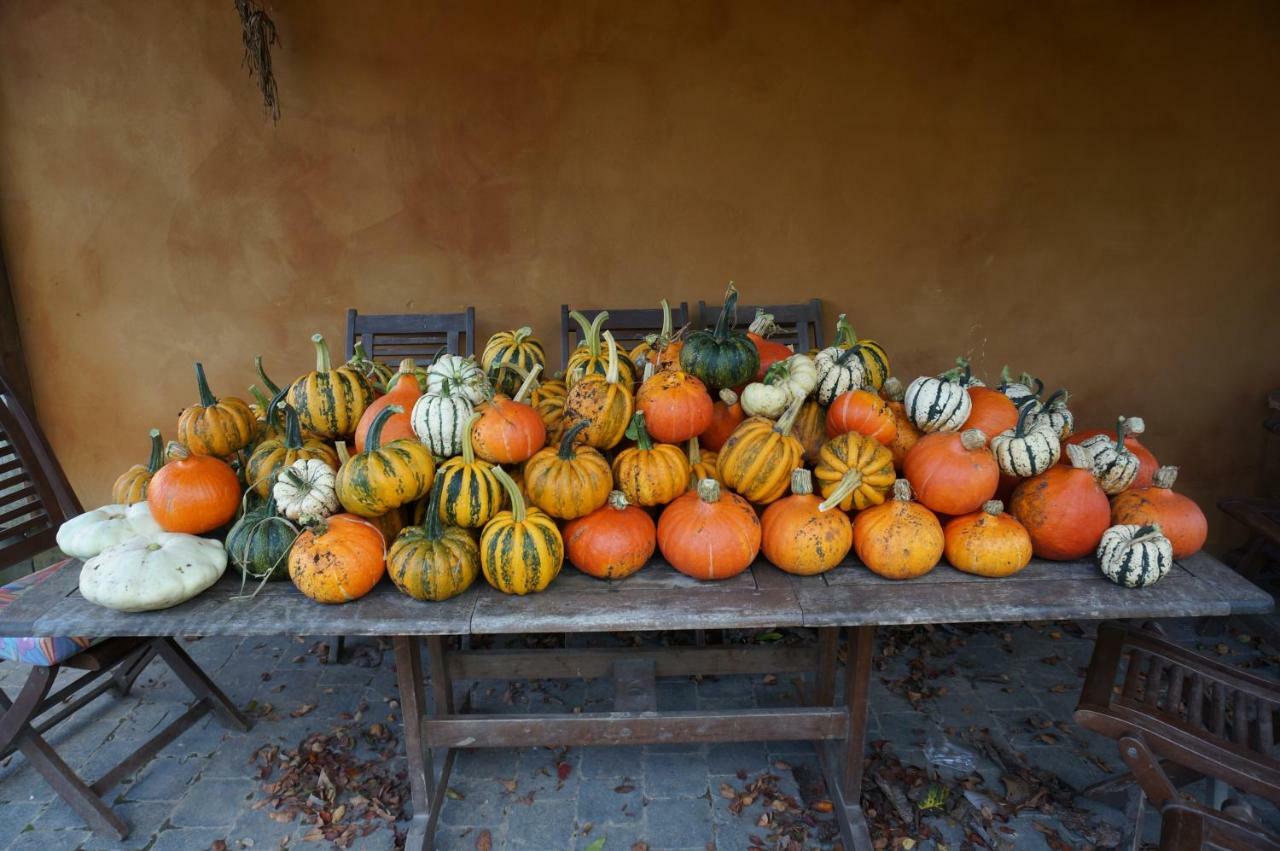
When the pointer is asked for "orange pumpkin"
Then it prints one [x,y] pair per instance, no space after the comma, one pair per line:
[661,349]
[1064,509]
[952,472]
[803,535]
[603,402]
[193,493]
[339,560]
[863,412]
[726,415]
[1178,516]
[612,542]
[761,328]
[708,533]
[992,411]
[987,542]
[906,433]
[508,431]
[403,389]
[676,406]
[899,538]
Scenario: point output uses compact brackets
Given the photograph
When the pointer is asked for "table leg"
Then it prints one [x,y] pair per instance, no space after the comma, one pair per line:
[842,761]
[425,788]
[828,645]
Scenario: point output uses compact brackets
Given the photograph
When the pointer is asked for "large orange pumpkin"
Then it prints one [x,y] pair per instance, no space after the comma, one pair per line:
[992,412]
[906,433]
[899,538]
[1064,509]
[952,473]
[339,560]
[799,535]
[708,533]
[863,412]
[987,542]
[509,431]
[612,542]
[676,406]
[1178,517]
[403,389]
[193,493]
[726,415]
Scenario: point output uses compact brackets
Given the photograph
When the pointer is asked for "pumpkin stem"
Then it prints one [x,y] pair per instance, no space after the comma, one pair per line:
[521,334]
[407,366]
[664,336]
[973,439]
[709,491]
[994,507]
[518,511]
[343,455]
[846,356]
[611,374]
[902,490]
[373,440]
[271,386]
[763,324]
[273,407]
[649,369]
[1036,385]
[788,418]
[1079,457]
[207,399]
[1122,426]
[849,482]
[801,481]
[178,451]
[157,452]
[1054,399]
[468,449]
[728,397]
[1028,409]
[892,389]
[641,432]
[695,452]
[292,429]
[1165,477]
[728,314]
[260,399]
[1145,533]
[527,384]
[845,336]
[1135,426]
[567,452]
[323,362]
[432,525]
[780,371]
[618,500]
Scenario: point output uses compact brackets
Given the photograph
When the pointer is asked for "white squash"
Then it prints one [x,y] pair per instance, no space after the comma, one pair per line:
[1027,449]
[462,375]
[1026,385]
[144,574]
[1055,415]
[1134,556]
[798,375]
[305,491]
[440,420]
[90,533]
[839,371]
[1114,466]
[962,374]
[764,400]
[935,404]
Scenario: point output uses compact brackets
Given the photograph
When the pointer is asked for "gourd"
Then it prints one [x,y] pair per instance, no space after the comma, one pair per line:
[757,459]
[1053,414]
[385,476]
[471,493]
[1178,516]
[726,415]
[937,404]
[509,431]
[612,542]
[952,473]
[722,357]
[193,493]
[1063,508]
[518,348]
[761,328]
[797,374]
[987,542]
[863,412]
[439,420]
[304,491]
[87,534]
[392,522]
[962,374]
[404,390]
[650,474]
[898,539]
[854,472]
[764,400]
[1016,391]
[146,574]
[1133,427]
[799,535]
[1114,466]
[215,426]
[1027,449]
[991,411]
[839,370]
[433,561]
[274,454]
[131,486]
[547,398]
[461,375]
[330,401]
[569,482]
[709,533]
[810,428]
[702,464]
[259,542]
[378,374]
[1134,556]
[875,361]
[603,402]
[590,358]
[338,560]
[676,406]
[661,349]
[521,550]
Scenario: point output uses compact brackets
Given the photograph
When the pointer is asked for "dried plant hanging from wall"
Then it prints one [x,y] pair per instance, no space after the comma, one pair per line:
[258,32]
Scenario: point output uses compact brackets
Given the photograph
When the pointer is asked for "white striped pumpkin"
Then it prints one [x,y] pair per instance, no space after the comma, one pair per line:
[440,421]
[1134,556]
[1016,391]
[839,371]
[935,404]
[1054,414]
[1027,449]
[1114,466]
[459,374]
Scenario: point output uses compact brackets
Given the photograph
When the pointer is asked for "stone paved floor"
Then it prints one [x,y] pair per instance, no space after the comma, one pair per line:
[1013,680]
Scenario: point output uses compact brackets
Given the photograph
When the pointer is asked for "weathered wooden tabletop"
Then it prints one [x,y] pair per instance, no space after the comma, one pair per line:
[660,598]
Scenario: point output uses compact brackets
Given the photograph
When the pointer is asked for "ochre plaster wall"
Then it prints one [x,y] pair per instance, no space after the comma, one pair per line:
[1089,191]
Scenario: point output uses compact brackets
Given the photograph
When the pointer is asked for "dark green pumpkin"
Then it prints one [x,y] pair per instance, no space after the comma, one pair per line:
[259,543]
[722,357]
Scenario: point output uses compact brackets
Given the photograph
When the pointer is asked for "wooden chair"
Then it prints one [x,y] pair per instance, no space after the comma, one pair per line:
[800,325]
[629,326]
[391,337]
[35,499]
[1177,713]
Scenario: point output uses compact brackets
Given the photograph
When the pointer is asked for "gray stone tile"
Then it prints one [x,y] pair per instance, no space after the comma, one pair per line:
[49,840]
[669,775]
[164,779]
[677,694]
[679,823]
[144,819]
[600,802]
[613,762]
[732,757]
[17,816]
[187,839]
[539,774]
[543,825]
[464,838]
[483,802]
[212,804]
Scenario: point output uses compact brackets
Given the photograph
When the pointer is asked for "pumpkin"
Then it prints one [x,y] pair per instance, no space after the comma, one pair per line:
[761,328]
[1021,388]
[548,400]
[404,390]
[391,523]
[1178,516]
[962,374]
[1133,427]
[215,426]
[952,473]
[757,459]
[702,464]
[1027,449]
[1063,509]
[259,404]
[472,493]
[274,454]
[521,550]
[330,402]
[722,357]
[875,361]
[304,491]
[810,428]
[439,420]
[709,533]
[460,375]
[508,430]
[193,494]
[987,542]
[661,349]
[839,371]
[726,415]
[1053,414]
[433,561]
[899,538]
[799,535]
[590,358]
[603,402]
[1114,466]
[131,486]
[991,411]
[764,400]
[259,542]
[863,412]
[905,432]
[87,534]
[378,374]
[612,542]
[676,406]
[339,560]
[854,471]
[569,482]
[385,476]
[650,474]
[146,574]
[505,349]
[1135,556]
[937,404]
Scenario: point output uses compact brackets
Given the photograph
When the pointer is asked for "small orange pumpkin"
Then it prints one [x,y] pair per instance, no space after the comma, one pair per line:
[403,389]
[708,533]
[726,415]
[1178,517]
[863,412]
[803,535]
[952,473]
[898,539]
[508,431]
[992,411]
[193,493]
[1064,509]
[907,434]
[987,542]
[676,406]
[612,542]
[339,560]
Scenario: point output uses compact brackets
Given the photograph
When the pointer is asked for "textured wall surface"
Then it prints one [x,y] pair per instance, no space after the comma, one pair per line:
[1086,191]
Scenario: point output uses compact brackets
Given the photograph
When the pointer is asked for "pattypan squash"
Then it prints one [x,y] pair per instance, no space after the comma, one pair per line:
[144,574]
[88,534]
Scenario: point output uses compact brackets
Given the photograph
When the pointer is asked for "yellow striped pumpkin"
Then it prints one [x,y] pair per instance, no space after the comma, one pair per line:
[548,400]
[383,478]
[433,561]
[518,348]
[603,402]
[589,358]
[277,453]
[568,482]
[521,550]
[330,401]
[216,426]
[702,463]
[470,492]
[131,486]
[757,459]
[650,473]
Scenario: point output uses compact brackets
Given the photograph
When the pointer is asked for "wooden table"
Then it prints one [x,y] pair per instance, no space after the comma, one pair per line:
[656,598]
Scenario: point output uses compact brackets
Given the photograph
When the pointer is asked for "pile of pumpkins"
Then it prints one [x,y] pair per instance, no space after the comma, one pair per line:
[712,446]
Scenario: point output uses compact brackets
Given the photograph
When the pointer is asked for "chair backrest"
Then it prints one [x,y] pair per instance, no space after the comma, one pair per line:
[391,337]
[629,326]
[799,325]
[35,496]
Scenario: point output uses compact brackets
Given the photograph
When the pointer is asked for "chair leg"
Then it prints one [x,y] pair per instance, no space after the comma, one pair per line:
[127,672]
[199,683]
[1133,815]
[19,712]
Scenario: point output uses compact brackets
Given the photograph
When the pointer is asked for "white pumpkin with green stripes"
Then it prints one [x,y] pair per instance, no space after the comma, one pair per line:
[1134,556]
[1055,414]
[440,420]
[1114,466]
[936,404]
[838,371]
[460,375]
[1027,449]
[1026,385]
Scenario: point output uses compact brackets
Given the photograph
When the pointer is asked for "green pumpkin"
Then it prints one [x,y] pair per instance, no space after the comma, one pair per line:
[723,357]
[260,541]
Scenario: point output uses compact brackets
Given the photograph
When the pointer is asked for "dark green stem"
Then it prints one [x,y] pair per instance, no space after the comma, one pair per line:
[567,452]
[271,386]
[207,399]
[323,361]
[1026,411]
[273,407]
[433,526]
[373,440]
[845,336]
[642,434]
[157,451]
[728,314]
[292,429]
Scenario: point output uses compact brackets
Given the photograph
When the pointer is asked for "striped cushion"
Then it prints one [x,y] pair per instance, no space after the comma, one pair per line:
[37,651]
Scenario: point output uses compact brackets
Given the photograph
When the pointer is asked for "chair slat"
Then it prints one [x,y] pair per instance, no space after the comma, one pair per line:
[1195,701]
[1240,717]
[1133,674]
[390,337]
[1154,676]
[1218,716]
[1173,703]
[31,526]
[1266,736]
[800,325]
